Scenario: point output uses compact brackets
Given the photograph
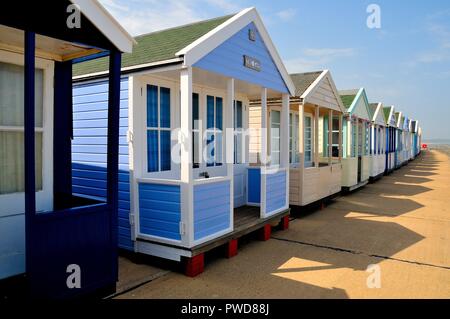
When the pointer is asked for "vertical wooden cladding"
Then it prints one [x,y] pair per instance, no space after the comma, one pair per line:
[89,149]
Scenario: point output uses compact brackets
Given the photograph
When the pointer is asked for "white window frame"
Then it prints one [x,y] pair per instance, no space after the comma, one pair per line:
[308,164]
[215,131]
[294,157]
[173,173]
[14,203]
[277,109]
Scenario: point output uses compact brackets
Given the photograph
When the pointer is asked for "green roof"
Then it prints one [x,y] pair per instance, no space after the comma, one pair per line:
[373,108]
[303,81]
[387,112]
[154,47]
[347,100]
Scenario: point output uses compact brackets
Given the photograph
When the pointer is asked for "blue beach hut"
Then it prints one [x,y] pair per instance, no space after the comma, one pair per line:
[189,175]
[46,233]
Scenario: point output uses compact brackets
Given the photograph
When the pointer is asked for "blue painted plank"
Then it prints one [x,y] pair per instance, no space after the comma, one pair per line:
[254,185]
[227,59]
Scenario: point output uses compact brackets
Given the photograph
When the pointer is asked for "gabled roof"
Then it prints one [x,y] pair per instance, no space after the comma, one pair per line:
[378,114]
[106,24]
[308,86]
[188,44]
[348,96]
[351,98]
[303,81]
[156,46]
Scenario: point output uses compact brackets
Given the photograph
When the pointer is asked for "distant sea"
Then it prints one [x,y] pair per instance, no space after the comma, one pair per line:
[439,141]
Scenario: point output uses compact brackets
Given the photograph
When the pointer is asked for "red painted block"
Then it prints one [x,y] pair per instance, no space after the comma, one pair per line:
[265,232]
[232,248]
[284,223]
[195,265]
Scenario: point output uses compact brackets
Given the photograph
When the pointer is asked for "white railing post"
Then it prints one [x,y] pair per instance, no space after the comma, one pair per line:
[186,173]
[229,142]
[264,142]
[284,147]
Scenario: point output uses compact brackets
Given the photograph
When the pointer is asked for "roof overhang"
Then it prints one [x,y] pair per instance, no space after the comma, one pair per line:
[361,94]
[106,24]
[211,40]
[326,74]
[377,113]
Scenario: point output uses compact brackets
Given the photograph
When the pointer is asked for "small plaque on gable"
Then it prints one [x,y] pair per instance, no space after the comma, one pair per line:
[252,63]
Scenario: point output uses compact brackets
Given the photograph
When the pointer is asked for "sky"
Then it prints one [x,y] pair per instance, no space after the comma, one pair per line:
[405,62]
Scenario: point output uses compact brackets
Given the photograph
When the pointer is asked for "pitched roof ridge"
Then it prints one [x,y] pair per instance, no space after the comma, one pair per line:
[185,25]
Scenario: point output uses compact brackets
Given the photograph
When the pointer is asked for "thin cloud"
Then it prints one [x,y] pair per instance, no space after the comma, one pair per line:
[313,59]
[144,16]
[286,15]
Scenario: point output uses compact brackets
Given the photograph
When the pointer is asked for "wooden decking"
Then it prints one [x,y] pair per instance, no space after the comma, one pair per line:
[246,220]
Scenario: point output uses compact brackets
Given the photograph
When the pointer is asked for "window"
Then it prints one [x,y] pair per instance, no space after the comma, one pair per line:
[308,140]
[275,125]
[214,126]
[196,134]
[293,138]
[335,137]
[238,132]
[158,129]
[12,175]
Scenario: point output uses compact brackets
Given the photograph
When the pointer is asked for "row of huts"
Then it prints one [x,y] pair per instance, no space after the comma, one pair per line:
[195,137]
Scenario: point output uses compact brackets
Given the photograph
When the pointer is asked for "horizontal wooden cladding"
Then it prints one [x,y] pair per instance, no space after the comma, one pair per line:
[275,191]
[89,148]
[160,210]
[211,209]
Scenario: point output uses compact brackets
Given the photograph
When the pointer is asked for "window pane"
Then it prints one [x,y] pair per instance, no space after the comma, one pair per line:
[152,106]
[152,151]
[219,113]
[165,107]
[11,93]
[165,150]
[275,116]
[195,111]
[335,123]
[238,114]
[210,112]
[12,175]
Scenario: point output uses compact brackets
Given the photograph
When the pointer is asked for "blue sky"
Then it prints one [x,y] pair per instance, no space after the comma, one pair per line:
[405,63]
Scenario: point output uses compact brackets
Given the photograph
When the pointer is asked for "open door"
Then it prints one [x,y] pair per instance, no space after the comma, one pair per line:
[240,167]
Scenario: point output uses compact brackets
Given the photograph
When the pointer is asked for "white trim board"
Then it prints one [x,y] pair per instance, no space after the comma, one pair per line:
[106,24]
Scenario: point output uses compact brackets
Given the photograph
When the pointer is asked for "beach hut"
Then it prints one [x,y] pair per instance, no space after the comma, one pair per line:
[407,140]
[315,139]
[400,140]
[377,142]
[356,131]
[46,234]
[189,180]
[390,137]
[415,138]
